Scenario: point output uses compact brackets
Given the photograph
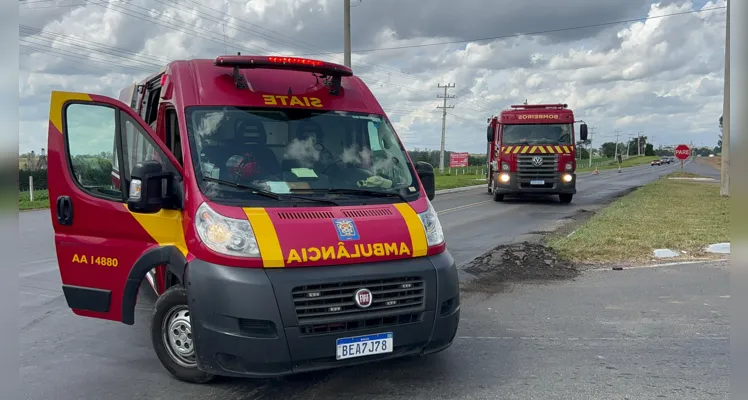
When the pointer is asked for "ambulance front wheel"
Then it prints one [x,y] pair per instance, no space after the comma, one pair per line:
[171,335]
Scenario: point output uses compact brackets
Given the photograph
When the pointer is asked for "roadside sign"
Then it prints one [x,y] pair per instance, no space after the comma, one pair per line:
[682,152]
[458,160]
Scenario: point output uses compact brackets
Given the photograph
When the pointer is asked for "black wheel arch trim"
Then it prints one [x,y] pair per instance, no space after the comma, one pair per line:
[170,256]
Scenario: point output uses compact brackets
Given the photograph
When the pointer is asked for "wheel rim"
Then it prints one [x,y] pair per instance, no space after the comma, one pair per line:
[177,336]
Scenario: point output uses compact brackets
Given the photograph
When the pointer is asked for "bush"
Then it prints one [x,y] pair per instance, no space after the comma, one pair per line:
[40,180]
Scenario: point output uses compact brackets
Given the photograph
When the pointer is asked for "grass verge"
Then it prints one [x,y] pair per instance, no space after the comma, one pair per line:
[673,214]
[454,181]
[631,162]
[41,200]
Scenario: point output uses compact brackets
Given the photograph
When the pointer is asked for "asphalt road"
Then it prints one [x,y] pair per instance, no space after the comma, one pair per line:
[646,333]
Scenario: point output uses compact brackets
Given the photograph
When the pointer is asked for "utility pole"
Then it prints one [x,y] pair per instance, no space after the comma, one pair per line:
[444,120]
[589,150]
[724,189]
[639,144]
[618,133]
[347,31]
[628,146]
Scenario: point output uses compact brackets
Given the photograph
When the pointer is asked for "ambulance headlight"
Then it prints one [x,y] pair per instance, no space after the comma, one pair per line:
[432,226]
[233,237]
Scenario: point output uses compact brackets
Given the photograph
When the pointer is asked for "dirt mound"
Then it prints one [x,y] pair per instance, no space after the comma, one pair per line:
[521,262]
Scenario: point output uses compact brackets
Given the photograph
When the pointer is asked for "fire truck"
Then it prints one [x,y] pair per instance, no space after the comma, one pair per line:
[531,151]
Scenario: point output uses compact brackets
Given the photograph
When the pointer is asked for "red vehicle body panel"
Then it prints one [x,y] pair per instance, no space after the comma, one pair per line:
[100,228]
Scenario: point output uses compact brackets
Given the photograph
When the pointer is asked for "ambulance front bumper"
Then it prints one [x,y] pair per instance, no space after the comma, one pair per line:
[268,322]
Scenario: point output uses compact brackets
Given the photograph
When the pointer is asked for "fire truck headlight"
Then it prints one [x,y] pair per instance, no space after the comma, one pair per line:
[569,166]
[233,237]
[505,166]
[432,226]
[504,178]
[567,178]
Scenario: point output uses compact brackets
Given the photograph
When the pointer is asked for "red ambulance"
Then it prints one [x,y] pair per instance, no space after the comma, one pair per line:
[270,204]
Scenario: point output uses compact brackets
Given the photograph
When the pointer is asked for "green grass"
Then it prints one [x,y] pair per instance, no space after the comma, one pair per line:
[673,214]
[455,181]
[41,200]
[631,162]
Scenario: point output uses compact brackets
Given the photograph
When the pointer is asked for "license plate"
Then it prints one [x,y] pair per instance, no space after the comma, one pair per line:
[537,182]
[360,346]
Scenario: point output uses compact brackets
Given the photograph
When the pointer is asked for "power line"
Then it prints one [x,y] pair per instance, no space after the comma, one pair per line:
[530,33]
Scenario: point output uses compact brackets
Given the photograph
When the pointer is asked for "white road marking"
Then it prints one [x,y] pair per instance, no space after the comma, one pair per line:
[458,208]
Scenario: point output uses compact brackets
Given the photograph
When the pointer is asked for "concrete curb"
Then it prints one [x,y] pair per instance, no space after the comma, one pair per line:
[670,264]
[462,189]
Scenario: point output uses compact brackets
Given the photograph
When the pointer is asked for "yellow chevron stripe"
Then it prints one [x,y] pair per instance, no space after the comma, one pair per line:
[520,149]
[566,149]
[532,151]
[558,149]
[267,238]
[415,228]
[58,100]
[542,149]
[165,227]
[508,149]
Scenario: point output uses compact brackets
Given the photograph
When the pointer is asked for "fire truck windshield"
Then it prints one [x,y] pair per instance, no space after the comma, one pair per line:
[319,154]
[537,134]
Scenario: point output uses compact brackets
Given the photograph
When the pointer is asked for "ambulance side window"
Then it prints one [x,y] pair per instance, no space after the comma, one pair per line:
[139,146]
[90,131]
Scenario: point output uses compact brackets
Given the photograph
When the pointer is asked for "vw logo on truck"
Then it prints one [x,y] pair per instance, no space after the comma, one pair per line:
[537,161]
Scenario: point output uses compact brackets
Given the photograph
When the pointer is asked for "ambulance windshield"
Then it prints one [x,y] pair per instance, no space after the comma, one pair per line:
[537,134]
[317,154]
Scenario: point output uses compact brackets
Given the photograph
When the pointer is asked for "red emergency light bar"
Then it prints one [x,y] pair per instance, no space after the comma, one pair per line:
[285,63]
[536,106]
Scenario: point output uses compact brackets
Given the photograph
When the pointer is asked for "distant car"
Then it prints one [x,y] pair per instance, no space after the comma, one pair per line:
[656,162]
[665,160]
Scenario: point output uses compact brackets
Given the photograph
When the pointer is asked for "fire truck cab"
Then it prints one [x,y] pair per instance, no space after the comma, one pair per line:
[531,150]
[269,203]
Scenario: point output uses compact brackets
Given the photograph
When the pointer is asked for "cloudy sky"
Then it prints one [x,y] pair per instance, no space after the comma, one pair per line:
[661,76]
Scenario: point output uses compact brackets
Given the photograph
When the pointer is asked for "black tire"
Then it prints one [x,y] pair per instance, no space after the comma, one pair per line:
[498,197]
[565,198]
[174,300]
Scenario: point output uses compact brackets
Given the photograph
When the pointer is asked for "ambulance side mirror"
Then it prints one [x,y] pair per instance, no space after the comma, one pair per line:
[150,187]
[583,133]
[425,172]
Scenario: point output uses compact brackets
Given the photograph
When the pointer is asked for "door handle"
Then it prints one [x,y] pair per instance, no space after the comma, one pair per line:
[64,210]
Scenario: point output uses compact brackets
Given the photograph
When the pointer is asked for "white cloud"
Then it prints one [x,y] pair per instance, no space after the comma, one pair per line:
[662,76]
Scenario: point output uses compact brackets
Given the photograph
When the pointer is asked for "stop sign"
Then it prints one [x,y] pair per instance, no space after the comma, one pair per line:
[682,152]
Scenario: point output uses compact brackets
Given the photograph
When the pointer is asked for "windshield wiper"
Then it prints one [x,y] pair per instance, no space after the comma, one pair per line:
[263,192]
[363,192]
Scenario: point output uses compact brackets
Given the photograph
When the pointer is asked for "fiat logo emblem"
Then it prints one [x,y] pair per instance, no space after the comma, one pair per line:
[363,298]
[537,161]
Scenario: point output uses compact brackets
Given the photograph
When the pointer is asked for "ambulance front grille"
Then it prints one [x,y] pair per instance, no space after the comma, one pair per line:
[305,215]
[367,212]
[330,305]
